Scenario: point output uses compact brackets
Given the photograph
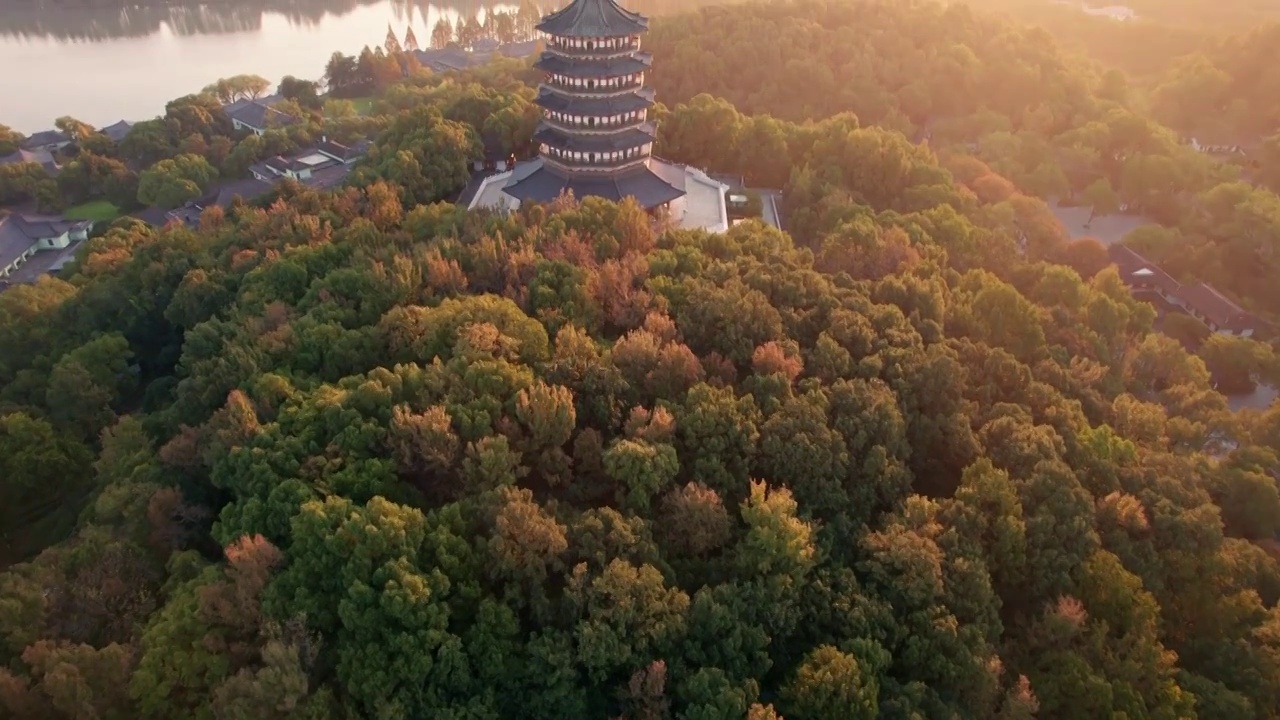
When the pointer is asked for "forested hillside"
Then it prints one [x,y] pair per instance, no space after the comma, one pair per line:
[968,83]
[365,454]
[1228,90]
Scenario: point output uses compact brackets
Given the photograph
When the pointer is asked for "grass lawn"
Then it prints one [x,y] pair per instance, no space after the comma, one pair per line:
[364,105]
[96,210]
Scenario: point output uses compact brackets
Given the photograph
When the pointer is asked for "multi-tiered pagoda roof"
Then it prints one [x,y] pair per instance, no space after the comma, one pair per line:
[592,19]
[595,138]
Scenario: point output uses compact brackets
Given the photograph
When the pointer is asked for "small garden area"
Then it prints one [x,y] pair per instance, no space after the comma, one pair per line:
[363,105]
[95,210]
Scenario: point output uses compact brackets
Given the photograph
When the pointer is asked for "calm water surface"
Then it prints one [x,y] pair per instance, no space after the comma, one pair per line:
[101,65]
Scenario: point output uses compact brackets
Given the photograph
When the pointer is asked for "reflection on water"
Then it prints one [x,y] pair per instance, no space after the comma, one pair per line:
[73,21]
[90,22]
[102,61]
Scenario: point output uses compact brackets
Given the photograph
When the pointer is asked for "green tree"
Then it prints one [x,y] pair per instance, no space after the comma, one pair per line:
[170,183]
[828,684]
[1100,198]
[41,468]
[238,87]
[428,157]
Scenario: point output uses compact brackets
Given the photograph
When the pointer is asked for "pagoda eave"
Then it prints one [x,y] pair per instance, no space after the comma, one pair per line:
[613,67]
[542,184]
[593,19]
[606,142]
[555,100]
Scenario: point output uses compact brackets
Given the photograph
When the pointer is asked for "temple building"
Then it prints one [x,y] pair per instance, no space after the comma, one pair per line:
[595,138]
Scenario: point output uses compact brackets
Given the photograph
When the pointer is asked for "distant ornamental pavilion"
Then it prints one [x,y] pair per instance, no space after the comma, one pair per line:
[595,138]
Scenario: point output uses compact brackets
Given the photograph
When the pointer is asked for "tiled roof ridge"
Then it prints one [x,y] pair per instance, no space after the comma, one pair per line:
[1182,288]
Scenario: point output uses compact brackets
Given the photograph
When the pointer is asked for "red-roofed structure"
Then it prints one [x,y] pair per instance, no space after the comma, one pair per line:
[1215,310]
[1199,300]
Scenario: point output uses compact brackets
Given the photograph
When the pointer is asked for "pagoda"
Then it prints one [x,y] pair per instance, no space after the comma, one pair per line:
[595,138]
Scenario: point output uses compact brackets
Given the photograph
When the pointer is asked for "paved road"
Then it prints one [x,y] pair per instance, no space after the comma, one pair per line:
[770,200]
[1108,229]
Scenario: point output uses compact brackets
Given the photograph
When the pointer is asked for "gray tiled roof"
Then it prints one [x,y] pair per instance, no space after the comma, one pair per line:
[519,49]
[451,58]
[222,195]
[45,137]
[259,115]
[593,18]
[43,158]
[158,217]
[608,105]
[343,152]
[19,232]
[13,241]
[536,182]
[263,169]
[1140,272]
[117,131]
[328,178]
[1215,306]
[599,142]
[268,100]
[611,67]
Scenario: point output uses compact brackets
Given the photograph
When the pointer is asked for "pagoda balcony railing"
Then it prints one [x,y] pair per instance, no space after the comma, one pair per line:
[597,51]
[587,167]
[600,126]
[598,91]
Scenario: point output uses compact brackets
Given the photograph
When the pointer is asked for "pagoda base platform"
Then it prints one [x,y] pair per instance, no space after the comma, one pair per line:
[692,199]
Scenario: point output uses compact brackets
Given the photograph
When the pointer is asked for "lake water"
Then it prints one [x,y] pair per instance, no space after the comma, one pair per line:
[103,64]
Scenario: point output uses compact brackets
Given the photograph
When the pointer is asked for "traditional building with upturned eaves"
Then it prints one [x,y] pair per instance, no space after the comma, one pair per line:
[595,138]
